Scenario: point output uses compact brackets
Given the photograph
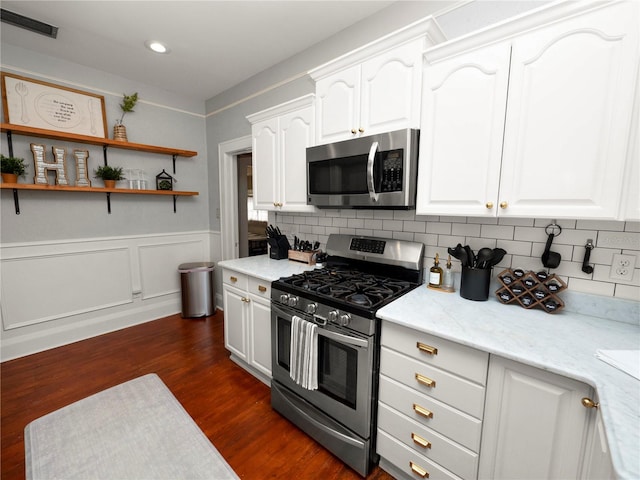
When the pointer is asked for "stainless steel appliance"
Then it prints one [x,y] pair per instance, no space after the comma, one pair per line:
[376,171]
[361,275]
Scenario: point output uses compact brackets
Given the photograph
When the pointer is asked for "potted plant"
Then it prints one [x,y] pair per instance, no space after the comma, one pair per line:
[109,175]
[12,168]
[128,102]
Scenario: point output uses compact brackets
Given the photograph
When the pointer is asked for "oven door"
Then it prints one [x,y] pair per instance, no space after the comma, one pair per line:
[345,371]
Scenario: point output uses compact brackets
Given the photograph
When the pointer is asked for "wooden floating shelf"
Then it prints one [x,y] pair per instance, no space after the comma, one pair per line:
[103,142]
[60,188]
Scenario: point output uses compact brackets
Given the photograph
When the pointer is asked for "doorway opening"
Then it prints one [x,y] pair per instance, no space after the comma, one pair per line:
[252,224]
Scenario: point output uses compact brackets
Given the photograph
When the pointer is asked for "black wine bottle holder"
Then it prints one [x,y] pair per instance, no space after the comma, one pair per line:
[531,290]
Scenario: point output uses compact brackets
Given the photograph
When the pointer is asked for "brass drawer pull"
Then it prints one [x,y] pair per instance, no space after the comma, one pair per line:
[422,411]
[262,288]
[426,381]
[418,440]
[233,279]
[423,347]
[419,470]
[588,403]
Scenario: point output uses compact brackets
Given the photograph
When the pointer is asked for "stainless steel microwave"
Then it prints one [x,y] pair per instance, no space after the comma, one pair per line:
[366,172]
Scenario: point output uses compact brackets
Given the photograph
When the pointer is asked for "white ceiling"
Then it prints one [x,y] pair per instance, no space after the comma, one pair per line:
[214,44]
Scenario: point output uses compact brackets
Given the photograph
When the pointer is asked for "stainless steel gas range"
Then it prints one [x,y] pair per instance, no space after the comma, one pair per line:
[338,304]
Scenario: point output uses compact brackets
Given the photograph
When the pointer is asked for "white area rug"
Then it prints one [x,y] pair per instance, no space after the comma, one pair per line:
[134,431]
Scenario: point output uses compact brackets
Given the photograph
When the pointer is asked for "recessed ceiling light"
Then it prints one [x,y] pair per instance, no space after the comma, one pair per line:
[157,47]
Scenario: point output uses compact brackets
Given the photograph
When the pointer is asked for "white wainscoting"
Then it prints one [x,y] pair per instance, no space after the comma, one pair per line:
[58,292]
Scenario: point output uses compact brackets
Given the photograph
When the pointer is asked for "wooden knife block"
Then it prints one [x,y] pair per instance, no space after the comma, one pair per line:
[308,257]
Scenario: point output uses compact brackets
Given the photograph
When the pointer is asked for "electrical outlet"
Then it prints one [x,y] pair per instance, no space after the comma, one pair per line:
[622,267]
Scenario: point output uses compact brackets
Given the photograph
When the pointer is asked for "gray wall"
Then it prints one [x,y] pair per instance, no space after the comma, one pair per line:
[160,118]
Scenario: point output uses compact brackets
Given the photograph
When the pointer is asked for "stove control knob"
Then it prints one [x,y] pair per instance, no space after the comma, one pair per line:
[333,316]
[293,301]
[284,298]
[311,308]
[345,318]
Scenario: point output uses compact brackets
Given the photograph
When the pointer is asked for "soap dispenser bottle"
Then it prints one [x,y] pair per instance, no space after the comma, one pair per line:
[447,279]
[435,273]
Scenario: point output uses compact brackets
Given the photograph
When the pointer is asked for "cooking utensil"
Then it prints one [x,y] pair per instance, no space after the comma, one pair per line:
[496,257]
[551,259]
[460,253]
[484,255]
[471,258]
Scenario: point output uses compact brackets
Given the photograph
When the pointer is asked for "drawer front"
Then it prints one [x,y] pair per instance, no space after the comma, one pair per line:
[259,287]
[461,428]
[428,443]
[411,463]
[451,389]
[233,278]
[437,352]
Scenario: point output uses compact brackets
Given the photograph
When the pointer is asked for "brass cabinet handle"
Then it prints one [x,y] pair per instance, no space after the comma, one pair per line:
[233,279]
[426,381]
[422,411]
[588,403]
[417,469]
[262,288]
[361,130]
[245,299]
[423,347]
[489,205]
[418,440]
[503,205]
[354,131]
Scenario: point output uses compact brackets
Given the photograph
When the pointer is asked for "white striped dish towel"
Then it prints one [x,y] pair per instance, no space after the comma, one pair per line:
[303,361]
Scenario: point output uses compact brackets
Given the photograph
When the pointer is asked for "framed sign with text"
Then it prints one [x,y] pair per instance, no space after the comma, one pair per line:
[37,104]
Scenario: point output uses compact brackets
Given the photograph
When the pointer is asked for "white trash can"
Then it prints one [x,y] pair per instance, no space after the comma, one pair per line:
[196,280]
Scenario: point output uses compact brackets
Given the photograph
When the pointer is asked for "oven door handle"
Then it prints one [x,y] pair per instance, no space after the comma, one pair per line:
[370,161]
[339,337]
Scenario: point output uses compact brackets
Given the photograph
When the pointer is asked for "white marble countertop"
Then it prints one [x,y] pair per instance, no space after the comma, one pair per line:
[264,268]
[564,343]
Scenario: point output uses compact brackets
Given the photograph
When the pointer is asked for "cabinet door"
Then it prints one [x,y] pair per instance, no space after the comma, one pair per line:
[296,134]
[597,464]
[338,106]
[235,321]
[567,130]
[463,109]
[260,335]
[534,423]
[391,90]
[265,164]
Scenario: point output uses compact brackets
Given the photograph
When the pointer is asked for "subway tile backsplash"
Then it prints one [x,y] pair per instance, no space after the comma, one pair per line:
[524,240]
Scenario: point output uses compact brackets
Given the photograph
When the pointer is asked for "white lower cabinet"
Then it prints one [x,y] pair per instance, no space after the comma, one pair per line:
[535,425]
[450,411]
[247,322]
[431,405]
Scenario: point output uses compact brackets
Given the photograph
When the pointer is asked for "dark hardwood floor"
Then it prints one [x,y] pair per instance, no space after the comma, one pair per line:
[230,406]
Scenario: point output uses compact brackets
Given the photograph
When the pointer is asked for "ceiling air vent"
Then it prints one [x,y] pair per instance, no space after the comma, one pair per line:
[28,23]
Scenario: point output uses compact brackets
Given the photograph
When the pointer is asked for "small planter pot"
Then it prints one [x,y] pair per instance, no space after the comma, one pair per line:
[9,178]
[120,133]
[109,183]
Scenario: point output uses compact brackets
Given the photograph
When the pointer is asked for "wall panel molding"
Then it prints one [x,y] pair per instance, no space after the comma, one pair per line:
[58,292]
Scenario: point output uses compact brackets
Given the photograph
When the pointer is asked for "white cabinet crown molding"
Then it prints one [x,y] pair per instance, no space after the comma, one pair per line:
[283,108]
[427,28]
[518,25]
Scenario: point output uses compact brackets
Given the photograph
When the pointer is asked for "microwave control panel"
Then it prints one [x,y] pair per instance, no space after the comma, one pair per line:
[392,169]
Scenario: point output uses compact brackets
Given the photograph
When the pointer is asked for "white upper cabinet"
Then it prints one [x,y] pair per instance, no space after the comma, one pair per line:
[379,95]
[464,101]
[281,136]
[561,150]
[375,88]
[568,118]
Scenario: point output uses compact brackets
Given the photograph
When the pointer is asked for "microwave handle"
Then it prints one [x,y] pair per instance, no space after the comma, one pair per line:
[370,184]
